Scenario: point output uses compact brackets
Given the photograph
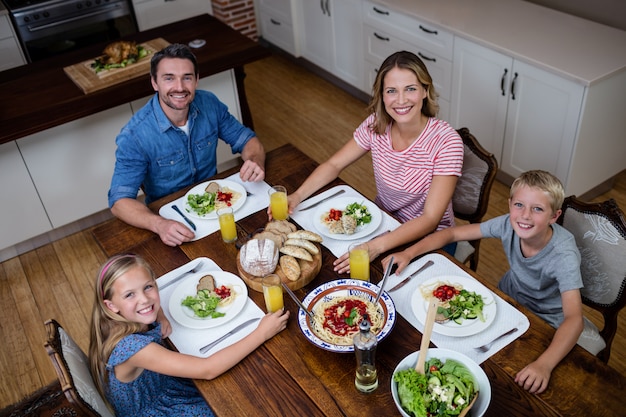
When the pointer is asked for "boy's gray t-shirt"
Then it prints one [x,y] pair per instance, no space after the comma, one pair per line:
[537,282]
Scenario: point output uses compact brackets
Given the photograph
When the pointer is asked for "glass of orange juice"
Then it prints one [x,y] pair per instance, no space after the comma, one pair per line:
[359,261]
[278,202]
[272,292]
[227,224]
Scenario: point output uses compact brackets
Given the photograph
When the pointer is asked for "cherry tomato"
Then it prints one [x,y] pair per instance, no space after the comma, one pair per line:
[433,368]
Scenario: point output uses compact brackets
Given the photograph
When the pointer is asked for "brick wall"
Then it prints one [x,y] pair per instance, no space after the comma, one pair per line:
[238,14]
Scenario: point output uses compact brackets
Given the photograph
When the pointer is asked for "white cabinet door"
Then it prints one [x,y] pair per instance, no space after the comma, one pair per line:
[72,164]
[542,122]
[316,32]
[155,13]
[348,40]
[23,215]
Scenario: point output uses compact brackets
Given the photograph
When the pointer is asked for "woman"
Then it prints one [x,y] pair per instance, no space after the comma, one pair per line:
[416,157]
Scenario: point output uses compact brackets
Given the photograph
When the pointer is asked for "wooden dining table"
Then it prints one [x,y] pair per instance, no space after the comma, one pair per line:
[290,376]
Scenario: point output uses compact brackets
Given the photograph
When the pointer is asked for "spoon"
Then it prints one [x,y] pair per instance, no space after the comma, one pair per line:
[470,405]
[428,330]
[298,302]
[382,284]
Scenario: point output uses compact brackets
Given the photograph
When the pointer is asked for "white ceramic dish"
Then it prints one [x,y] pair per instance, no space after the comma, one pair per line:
[339,288]
[480,378]
[340,204]
[468,327]
[200,189]
[185,315]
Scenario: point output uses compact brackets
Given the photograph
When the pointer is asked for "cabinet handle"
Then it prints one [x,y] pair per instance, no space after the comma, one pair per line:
[274,22]
[377,10]
[322,6]
[328,8]
[513,87]
[432,32]
[382,38]
[502,80]
[426,57]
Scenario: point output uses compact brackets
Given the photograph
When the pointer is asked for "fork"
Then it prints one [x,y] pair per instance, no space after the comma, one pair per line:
[487,346]
[195,269]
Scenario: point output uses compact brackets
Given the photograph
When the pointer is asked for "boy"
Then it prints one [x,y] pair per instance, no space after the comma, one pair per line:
[544,273]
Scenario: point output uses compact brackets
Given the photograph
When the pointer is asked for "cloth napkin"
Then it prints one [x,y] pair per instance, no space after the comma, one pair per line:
[507,316]
[339,247]
[189,341]
[258,200]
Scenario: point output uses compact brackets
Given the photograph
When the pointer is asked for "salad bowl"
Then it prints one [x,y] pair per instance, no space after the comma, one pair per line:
[480,378]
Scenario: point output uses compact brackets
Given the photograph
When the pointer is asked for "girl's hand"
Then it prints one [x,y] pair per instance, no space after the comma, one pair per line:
[166,326]
[273,323]
[402,259]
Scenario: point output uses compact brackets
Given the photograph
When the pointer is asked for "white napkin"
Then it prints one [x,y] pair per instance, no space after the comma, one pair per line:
[507,316]
[339,247]
[259,200]
[189,341]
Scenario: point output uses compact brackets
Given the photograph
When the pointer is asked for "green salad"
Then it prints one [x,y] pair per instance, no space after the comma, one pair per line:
[203,304]
[359,212]
[202,203]
[445,390]
[465,305]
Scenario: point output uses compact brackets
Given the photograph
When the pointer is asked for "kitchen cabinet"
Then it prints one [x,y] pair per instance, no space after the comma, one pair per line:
[330,33]
[23,215]
[10,50]
[526,116]
[155,13]
[386,31]
[275,20]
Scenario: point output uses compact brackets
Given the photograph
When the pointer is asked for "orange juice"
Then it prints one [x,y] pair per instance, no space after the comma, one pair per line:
[273,293]
[278,203]
[227,225]
[360,264]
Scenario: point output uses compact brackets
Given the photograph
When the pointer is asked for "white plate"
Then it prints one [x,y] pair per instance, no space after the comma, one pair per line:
[200,189]
[450,328]
[340,204]
[341,288]
[185,315]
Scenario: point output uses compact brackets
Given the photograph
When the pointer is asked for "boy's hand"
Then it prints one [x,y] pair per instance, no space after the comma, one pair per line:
[533,378]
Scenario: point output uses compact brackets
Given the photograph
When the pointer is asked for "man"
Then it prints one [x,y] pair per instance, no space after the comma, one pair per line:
[171,143]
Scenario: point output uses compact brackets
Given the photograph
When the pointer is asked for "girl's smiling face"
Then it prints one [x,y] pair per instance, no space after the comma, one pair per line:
[135,296]
[531,214]
[403,95]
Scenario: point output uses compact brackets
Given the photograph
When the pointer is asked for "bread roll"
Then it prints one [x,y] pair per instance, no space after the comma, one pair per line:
[303,243]
[296,252]
[290,267]
[305,234]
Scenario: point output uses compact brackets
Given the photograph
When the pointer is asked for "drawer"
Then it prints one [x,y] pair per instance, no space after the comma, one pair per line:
[278,32]
[380,44]
[419,33]
[279,9]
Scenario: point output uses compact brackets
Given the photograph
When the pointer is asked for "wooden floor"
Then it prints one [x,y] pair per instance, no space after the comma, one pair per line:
[289,104]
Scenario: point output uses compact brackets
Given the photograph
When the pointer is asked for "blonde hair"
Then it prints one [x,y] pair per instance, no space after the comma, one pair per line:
[108,327]
[543,181]
[403,60]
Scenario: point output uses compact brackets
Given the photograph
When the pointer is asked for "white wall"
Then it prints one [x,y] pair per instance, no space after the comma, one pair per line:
[608,12]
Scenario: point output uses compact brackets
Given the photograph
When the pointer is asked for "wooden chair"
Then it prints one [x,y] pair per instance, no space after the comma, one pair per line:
[72,368]
[471,196]
[600,232]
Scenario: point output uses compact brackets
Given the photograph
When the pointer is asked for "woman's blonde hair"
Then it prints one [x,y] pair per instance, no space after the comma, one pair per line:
[108,327]
[403,60]
[543,181]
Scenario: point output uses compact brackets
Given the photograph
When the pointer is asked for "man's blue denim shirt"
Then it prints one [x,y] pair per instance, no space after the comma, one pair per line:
[153,153]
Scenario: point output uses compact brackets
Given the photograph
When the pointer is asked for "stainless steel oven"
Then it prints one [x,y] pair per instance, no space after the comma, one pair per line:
[50,27]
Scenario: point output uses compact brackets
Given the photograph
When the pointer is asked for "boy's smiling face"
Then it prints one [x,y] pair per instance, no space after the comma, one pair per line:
[531,215]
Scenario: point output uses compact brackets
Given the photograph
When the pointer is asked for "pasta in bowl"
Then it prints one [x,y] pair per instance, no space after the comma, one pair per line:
[338,308]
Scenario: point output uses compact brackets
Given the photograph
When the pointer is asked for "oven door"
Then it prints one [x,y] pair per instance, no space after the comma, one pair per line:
[76,31]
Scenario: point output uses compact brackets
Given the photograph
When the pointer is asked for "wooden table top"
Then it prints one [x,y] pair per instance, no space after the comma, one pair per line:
[40,95]
[288,375]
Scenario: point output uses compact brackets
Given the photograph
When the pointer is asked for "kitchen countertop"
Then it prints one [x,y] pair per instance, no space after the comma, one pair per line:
[39,96]
[580,49]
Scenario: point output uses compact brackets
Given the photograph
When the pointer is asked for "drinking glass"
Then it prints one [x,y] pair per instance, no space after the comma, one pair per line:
[278,202]
[272,292]
[359,261]
[227,224]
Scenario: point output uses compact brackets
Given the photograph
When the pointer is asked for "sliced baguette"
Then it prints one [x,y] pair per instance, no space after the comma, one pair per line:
[305,234]
[303,243]
[290,267]
[296,252]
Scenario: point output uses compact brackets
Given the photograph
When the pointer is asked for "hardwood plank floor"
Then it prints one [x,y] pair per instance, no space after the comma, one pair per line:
[289,104]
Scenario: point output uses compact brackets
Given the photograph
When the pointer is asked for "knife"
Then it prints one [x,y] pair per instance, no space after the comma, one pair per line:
[205,349]
[323,199]
[407,279]
[179,211]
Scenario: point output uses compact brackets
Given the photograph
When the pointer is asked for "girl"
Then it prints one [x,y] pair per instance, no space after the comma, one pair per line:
[130,365]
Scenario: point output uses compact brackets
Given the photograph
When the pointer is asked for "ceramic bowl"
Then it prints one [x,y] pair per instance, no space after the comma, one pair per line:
[481,380]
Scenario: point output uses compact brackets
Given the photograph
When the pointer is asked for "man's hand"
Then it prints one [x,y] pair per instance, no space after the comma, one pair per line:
[173,233]
[251,171]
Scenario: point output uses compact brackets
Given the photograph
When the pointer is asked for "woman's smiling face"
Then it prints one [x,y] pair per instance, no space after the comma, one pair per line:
[403,95]
[135,296]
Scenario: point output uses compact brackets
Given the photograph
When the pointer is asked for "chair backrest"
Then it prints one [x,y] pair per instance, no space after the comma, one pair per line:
[471,196]
[600,232]
[72,368]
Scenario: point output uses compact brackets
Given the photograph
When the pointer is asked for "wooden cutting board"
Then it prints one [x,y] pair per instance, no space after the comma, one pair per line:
[87,80]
